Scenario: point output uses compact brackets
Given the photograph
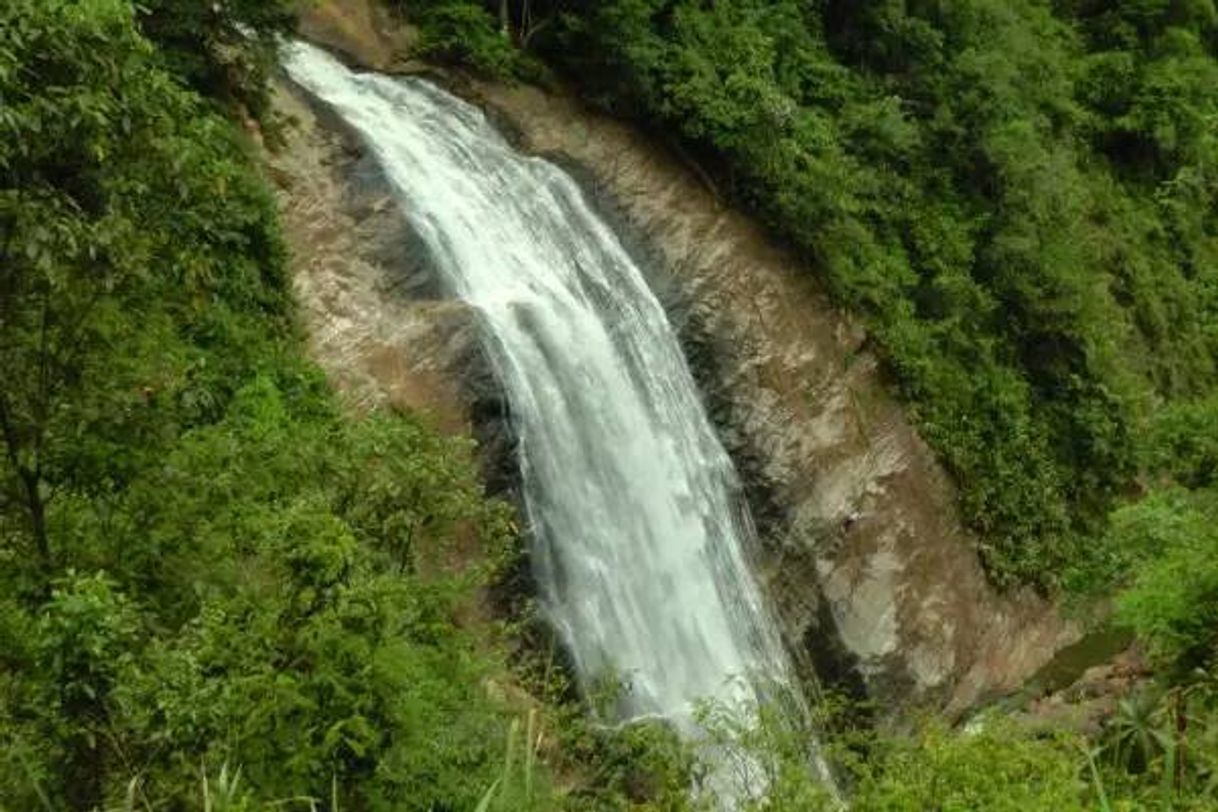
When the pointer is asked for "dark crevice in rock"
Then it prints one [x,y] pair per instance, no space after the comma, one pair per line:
[836,667]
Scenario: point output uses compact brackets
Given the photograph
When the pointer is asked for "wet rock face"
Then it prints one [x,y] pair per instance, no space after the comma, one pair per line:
[877,585]
[369,300]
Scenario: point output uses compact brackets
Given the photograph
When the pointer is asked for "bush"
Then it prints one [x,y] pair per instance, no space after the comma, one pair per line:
[465,32]
[225,51]
[1171,541]
[996,768]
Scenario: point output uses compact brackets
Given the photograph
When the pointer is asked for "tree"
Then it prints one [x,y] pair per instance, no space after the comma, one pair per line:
[76,97]
[224,50]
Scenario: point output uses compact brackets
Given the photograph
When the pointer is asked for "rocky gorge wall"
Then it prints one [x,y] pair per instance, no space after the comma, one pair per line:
[877,585]
[370,305]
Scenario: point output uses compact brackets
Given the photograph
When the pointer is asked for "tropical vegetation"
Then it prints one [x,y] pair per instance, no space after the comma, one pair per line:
[221,588]
[217,588]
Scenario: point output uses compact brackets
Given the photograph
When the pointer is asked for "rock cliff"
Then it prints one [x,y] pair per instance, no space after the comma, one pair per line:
[367,298]
[878,586]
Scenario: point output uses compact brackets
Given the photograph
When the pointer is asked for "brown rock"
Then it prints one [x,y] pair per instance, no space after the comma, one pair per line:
[362,285]
[365,32]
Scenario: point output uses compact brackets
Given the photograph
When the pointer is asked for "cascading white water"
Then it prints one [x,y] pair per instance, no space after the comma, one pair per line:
[636,510]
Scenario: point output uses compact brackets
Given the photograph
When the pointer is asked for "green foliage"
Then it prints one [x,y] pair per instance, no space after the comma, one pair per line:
[466,32]
[1183,442]
[997,767]
[642,765]
[305,656]
[1158,752]
[1170,542]
[1160,749]
[1020,198]
[463,32]
[224,50]
[215,584]
[108,332]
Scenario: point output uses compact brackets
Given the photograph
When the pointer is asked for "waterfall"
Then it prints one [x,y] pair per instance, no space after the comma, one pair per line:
[639,526]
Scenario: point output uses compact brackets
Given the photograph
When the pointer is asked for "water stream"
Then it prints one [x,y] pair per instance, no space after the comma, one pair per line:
[641,533]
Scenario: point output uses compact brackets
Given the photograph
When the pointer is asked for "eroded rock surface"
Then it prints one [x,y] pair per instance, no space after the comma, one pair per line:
[363,31]
[366,294]
[876,582]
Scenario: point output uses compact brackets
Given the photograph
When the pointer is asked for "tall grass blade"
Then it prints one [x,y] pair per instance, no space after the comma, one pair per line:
[38,790]
[530,754]
[1097,780]
[485,803]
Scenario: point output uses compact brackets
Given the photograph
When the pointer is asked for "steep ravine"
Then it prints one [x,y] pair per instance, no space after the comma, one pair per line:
[876,582]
